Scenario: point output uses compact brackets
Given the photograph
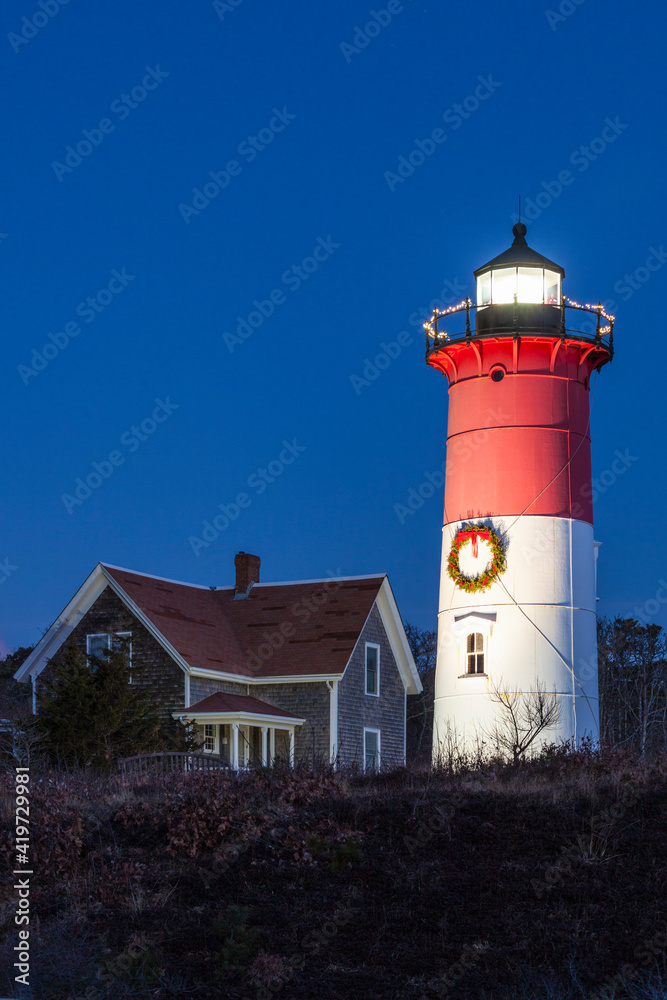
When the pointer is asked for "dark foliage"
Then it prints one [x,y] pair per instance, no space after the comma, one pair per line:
[15,698]
[420,706]
[536,879]
[94,713]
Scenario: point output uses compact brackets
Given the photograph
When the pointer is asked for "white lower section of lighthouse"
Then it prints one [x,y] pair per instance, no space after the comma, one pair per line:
[533,628]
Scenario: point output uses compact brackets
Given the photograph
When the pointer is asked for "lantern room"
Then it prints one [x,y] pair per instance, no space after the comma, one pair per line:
[519,277]
[520,302]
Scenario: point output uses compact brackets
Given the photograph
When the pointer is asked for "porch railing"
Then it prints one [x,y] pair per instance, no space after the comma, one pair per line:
[166,762]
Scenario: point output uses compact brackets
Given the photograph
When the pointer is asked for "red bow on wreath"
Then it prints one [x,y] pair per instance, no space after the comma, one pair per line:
[473,536]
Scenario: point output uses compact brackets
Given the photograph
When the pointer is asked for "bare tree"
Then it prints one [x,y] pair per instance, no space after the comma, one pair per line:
[521,718]
[423,644]
[632,680]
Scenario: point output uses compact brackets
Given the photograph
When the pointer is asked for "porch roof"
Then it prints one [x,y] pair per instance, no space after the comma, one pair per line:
[237,706]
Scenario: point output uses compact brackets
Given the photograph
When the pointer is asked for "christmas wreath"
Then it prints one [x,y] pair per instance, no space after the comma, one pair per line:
[473,532]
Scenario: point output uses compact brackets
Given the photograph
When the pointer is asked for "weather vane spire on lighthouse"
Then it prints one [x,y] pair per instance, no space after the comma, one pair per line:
[517,590]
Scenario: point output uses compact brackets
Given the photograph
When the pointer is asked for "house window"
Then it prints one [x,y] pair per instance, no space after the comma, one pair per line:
[210,738]
[97,645]
[128,637]
[475,653]
[371,749]
[372,669]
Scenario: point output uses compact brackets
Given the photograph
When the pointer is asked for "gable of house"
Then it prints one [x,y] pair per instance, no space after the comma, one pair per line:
[160,675]
[359,711]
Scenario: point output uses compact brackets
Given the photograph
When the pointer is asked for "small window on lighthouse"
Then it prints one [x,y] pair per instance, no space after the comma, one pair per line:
[484,289]
[530,284]
[552,288]
[504,285]
[475,653]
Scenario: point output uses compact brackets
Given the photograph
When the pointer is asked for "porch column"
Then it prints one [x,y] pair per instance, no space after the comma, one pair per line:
[264,746]
[235,746]
[291,746]
[272,746]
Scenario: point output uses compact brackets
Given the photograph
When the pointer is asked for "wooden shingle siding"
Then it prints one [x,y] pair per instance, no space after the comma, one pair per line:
[357,710]
[160,675]
[202,687]
[306,701]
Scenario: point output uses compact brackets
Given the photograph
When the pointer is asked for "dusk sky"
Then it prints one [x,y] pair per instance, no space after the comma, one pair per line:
[206,242]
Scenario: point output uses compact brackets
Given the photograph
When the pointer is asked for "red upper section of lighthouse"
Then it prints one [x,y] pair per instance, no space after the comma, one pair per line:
[518,432]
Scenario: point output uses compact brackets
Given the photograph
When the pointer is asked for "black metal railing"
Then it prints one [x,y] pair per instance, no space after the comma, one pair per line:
[518,318]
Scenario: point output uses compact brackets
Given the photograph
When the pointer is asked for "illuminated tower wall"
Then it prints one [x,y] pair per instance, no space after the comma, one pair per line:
[517,589]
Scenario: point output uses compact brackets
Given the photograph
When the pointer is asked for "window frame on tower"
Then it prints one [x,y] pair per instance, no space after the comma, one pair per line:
[474,623]
[472,656]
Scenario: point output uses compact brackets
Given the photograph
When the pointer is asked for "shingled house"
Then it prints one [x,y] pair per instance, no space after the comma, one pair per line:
[316,669]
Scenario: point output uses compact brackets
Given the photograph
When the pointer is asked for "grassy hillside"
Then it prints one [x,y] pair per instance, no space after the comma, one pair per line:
[537,880]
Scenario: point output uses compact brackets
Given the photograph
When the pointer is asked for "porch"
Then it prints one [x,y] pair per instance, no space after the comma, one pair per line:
[242,731]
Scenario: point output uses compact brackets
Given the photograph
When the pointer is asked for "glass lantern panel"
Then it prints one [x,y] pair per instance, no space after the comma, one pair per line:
[552,288]
[504,285]
[530,284]
[484,289]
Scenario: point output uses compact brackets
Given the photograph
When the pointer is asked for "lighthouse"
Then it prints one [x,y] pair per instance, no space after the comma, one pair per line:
[517,589]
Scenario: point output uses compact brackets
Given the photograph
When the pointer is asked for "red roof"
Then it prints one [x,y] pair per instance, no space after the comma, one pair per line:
[220,702]
[284,629]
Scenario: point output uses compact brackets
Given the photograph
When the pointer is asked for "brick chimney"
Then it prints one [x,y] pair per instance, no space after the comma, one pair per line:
[247,573]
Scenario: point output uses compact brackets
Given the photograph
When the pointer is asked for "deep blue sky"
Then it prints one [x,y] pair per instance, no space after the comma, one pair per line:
[553,85]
